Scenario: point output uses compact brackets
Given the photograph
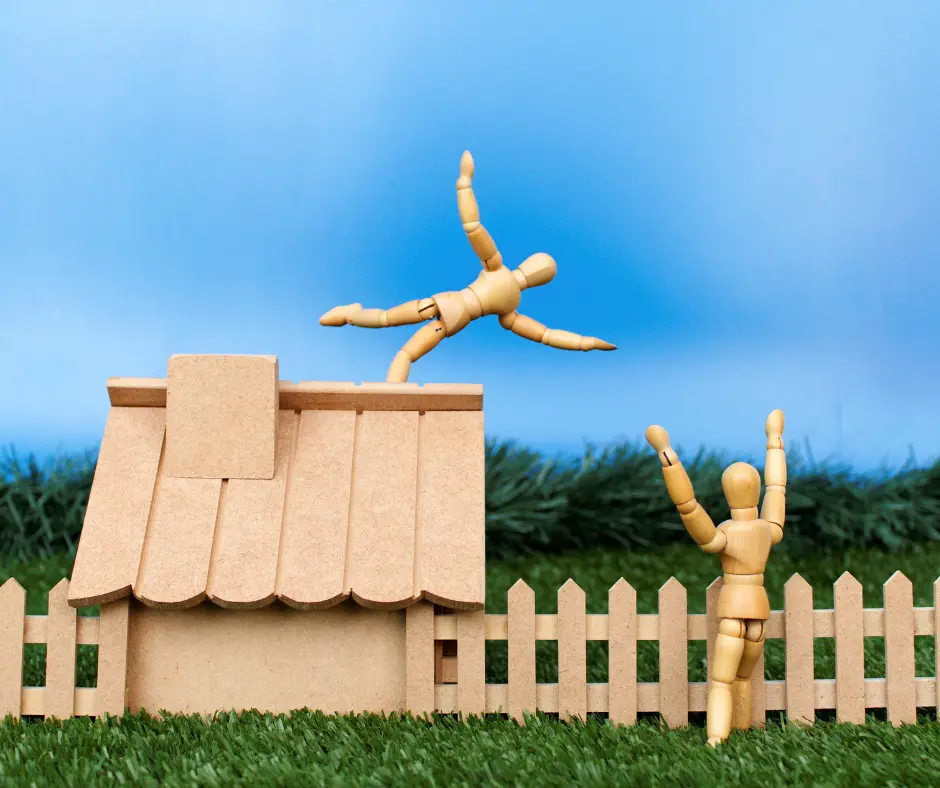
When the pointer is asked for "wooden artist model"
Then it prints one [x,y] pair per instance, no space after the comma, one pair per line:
[496,291]
[743,544]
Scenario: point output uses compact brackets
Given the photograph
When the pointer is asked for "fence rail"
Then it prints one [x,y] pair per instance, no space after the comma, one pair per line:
[900,692]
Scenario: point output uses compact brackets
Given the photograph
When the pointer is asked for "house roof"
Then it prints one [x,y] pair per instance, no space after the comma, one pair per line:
[377,496]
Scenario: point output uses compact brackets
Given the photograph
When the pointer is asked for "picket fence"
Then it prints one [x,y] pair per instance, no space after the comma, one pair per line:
[439,680]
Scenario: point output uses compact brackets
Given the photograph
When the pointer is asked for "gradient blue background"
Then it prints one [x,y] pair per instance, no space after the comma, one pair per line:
[743,198]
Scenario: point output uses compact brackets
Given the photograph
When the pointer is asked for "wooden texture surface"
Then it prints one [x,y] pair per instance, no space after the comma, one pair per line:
[452,513]
[381,554]
[471,663]
[850,651]
[572,652]
[673,654]
[419,658]
[622,673]
[118,510]
[174,566]
[247,540]
[60,654]
[521,651]
[798,613]
[111,697]
[899,650]
[221,418]
[12,631]
[311,568]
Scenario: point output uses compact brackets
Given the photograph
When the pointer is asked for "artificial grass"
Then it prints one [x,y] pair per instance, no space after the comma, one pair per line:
[614,497]
[312,749]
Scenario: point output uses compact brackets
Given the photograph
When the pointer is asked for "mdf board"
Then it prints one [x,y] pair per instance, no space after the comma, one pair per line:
[221,416]
[346,659]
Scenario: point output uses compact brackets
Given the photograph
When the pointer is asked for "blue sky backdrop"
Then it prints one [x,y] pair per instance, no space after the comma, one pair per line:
[742,197]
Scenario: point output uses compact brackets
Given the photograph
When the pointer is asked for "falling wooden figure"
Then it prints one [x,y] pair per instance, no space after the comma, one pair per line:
[743,544]
[496,291]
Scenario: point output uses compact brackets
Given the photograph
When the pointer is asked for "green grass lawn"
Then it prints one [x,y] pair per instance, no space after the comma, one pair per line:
[311,749]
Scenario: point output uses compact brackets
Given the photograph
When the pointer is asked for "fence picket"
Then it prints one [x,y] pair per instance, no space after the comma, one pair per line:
[850,650]
[673,654]
[899,649]
[12,626]
[471,663]
[572,652]
[521,647]
[711,624]
[111,697]
[936,642]
[798,623]
[759,692]
[60,654]
[621,660]
[419,658]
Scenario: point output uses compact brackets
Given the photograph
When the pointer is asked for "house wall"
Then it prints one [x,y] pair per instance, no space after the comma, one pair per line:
[343,659]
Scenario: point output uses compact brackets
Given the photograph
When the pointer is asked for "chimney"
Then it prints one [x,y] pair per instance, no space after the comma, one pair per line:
[221,416]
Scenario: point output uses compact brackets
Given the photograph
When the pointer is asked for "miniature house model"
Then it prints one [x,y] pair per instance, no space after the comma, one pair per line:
[276,545]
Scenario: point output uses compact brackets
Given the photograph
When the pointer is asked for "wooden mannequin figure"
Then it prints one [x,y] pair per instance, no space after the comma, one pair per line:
[496,291]
[743,544]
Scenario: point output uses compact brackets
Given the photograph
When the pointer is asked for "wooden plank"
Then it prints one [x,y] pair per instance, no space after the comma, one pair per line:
[381,555]
[320,395]
[222,416]
[471,663]
[899,650]
[850,651]
[111,697]
[521,647]
[758,694]
[137,392]
[118,509]
[711,619]
[419,658]
[60,654]
[798,611]
[174,567]
[311,567]
[572,652]
[452,510]
[622,672]
[13,627]
[243,570]
[936,645]
[673,655]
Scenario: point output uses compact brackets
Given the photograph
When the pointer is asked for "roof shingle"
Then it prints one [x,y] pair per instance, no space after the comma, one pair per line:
[378,496]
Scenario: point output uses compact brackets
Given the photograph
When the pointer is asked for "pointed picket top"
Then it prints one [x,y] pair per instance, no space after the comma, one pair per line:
[621,587]
[899,584]
[714,585]
[60,591]
[847,582]
[520,583]
[798,583]
[670,585]
[520,590]
[571,590]
[12,590]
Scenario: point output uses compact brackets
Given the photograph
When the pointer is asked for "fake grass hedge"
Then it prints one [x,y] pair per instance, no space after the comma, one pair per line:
[609,498]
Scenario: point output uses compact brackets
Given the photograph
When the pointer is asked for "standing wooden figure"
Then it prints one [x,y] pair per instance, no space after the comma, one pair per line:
[743,544]
[496,291]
